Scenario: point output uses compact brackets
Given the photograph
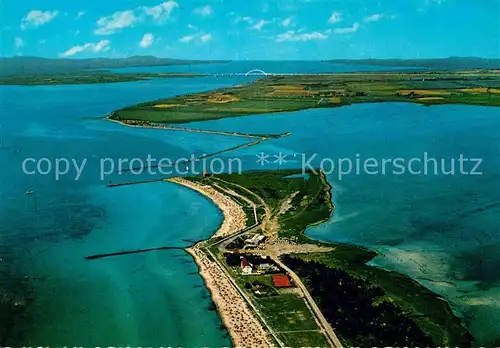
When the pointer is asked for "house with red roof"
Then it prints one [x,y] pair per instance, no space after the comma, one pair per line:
[281,281]
[246,267]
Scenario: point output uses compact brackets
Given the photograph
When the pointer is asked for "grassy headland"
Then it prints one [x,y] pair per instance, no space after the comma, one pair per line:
[299,92]
[366,305]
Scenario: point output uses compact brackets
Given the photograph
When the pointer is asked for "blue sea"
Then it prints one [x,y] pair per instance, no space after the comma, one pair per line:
[440,229]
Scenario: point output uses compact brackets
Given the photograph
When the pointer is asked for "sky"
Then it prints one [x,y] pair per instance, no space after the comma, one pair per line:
[251,29]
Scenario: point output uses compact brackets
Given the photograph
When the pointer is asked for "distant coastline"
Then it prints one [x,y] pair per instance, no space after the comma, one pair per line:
[294,92]
[87,78]
[30,66]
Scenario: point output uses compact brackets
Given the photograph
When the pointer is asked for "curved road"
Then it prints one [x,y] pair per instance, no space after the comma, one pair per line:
[327,328]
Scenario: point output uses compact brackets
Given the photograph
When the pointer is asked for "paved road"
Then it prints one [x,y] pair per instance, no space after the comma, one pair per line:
[327,328]
[324,323]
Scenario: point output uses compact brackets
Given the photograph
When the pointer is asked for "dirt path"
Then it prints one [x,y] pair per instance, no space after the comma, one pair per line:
[269,225]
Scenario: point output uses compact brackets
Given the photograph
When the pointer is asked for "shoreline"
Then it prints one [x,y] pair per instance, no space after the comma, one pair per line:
[290,93]
[234,218]
[243,326]
[179,129]
[149,125]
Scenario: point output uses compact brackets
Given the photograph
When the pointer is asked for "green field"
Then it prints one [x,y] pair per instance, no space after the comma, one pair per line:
[304,339]
[287,312]
[298,92]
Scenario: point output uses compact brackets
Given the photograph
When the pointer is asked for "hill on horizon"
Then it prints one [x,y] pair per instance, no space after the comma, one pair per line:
[21,65]
[36,65]
[450,63]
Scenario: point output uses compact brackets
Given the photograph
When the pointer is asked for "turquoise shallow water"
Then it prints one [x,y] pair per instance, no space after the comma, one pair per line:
[143,299]
[440,229]
[435,228]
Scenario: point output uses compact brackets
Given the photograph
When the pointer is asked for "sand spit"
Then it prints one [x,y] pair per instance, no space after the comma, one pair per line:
[239,319]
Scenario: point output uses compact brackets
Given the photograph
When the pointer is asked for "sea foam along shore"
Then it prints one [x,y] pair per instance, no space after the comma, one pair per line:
[243,326]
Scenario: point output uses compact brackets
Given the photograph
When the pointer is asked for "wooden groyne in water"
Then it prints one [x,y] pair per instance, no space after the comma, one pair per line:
[100,256]
[135,182]
[260,138]
[196,159]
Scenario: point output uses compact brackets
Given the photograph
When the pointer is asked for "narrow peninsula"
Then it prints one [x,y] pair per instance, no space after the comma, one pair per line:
[275,287]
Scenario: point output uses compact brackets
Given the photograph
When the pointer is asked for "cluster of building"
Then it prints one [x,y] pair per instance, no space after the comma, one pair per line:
[251,242]
[249,268]
[256,239]
[253,265]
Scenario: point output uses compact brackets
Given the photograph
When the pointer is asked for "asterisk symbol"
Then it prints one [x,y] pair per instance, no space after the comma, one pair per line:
[262,158]
[280,158]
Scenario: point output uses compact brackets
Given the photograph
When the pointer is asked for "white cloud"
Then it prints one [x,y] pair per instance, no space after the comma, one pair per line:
[336,17]
[374,17]
[292,35]
[206,38]
[36,18]
[348,30]
[80,14]
[117,21]
[259,25]
[18,42]
[287,22]
[203,11]
[201,37]
[187,38]
[101,46]
[162,11]
[147,40]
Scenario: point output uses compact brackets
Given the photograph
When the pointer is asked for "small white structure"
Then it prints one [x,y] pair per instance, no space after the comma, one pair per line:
[246,267]
[247,270]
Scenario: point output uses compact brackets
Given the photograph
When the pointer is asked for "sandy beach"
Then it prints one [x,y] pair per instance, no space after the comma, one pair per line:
[239,319]
[244,328]
[234,216]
